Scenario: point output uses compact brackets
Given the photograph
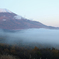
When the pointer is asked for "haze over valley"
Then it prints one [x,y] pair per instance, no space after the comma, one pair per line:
[44,37]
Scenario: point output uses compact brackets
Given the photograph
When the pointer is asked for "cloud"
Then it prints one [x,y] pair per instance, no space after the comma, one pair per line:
[33,37]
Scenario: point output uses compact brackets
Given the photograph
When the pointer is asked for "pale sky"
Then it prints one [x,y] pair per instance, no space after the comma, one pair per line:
[44,11]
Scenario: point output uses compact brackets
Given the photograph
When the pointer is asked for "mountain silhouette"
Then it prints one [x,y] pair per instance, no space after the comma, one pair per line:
[12,21]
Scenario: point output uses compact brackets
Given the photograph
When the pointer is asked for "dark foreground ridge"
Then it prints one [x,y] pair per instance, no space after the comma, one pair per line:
[17,52]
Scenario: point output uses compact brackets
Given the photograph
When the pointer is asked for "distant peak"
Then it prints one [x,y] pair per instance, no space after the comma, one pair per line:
[5,10]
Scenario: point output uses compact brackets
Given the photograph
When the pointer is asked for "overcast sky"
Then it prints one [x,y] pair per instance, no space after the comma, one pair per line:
[44,11]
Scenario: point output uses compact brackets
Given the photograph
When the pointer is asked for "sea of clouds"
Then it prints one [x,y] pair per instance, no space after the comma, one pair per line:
[31,36]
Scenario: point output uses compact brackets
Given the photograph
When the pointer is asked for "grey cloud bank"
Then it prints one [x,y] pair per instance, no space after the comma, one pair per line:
[38,36]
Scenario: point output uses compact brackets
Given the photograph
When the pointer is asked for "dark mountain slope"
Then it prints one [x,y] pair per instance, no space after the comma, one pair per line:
[12,21]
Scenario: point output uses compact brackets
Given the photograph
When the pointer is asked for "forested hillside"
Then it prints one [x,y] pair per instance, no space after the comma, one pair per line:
[28,52]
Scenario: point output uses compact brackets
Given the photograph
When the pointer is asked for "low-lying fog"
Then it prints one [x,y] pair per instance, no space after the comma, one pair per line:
[32,36]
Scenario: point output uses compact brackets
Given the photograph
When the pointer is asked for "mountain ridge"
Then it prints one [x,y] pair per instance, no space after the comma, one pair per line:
[13,21]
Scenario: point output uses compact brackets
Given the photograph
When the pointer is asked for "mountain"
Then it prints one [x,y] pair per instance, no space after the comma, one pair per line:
[12,21]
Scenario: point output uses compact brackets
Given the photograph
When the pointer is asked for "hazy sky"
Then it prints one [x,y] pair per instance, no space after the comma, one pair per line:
[44,11]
